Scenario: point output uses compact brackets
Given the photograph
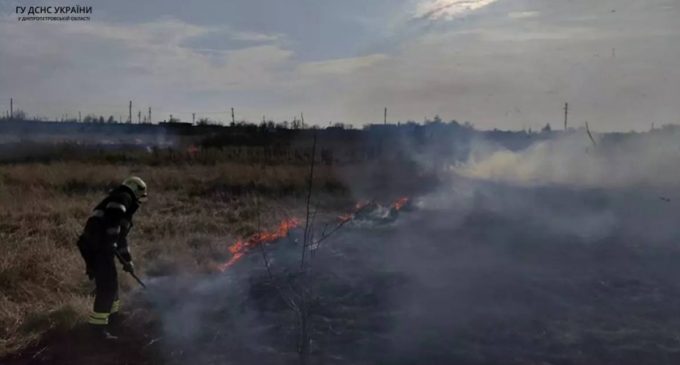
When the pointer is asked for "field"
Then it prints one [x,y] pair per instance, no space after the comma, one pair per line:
[474,263]
[194,213]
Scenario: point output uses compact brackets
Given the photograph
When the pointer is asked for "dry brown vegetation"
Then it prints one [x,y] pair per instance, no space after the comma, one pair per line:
[193,214]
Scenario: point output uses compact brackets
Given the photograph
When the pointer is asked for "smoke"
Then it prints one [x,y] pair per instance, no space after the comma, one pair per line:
[478,273]
[498,272]
[561,252]
[222,318]
[573,160]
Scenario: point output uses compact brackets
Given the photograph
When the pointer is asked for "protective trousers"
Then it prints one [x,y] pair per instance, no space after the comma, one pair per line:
[106,300]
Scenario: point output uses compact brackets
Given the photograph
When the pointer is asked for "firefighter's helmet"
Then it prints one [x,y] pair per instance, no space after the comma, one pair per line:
[138,187]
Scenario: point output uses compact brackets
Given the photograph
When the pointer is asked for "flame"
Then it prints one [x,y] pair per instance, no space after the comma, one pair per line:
[239,248]
[400,203]
[361,204]
[397,205]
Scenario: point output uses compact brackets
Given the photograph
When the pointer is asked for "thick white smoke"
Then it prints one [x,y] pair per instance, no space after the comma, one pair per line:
[648,159]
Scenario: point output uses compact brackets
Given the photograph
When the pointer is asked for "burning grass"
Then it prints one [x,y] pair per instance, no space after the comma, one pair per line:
[238,249]
[185,227]
[194,212]
[497,277]
[362,211]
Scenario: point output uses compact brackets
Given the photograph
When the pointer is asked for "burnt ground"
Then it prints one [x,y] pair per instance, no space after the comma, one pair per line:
[78,346]
[476,274]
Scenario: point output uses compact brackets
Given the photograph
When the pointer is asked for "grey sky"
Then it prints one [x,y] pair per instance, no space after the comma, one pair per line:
[497,63]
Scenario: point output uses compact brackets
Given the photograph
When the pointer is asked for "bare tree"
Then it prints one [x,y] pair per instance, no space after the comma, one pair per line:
[310,186]
[295,290]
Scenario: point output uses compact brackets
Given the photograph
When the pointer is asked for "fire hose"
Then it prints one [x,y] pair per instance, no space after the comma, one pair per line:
[128,268]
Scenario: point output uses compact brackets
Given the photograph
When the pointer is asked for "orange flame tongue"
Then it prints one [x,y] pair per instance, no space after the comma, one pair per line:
[239,248]
[400,203]
[360,205]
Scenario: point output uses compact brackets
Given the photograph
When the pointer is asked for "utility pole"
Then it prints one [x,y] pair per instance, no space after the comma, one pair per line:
[130,112]
[80,119]
[11,108]
[139,116]
[233,120]
[566,115]
[149,114]
[170,118]
[193,118]
[385,120]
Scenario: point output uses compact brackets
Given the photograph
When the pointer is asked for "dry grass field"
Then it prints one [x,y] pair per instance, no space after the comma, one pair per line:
[193,214]
[476,272]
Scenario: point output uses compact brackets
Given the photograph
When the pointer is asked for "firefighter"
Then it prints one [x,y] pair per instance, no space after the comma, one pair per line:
[103,240]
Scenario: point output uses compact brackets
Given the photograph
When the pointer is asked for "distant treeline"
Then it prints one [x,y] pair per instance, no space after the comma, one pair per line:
[433,141]
[18,126]
[248,134]
[28,127]
[266,143]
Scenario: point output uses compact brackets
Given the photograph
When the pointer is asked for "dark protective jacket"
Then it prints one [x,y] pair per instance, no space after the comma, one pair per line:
[107,228]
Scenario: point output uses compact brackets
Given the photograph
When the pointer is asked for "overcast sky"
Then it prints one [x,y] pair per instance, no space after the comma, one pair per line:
[507,64]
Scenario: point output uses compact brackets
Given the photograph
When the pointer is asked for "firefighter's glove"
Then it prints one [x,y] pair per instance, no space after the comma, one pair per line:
[128,266]
[124,253]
